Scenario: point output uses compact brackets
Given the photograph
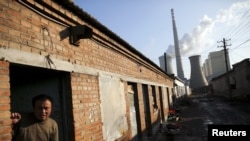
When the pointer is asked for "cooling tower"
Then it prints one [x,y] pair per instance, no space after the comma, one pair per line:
[166,63]
[197,78]
[162,62]
[169,64]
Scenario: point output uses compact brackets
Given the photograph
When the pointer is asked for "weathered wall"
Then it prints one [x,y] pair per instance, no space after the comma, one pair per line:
[113,105]
[5,122]
[238,80]
[41,39]
[241,79]
[220,86]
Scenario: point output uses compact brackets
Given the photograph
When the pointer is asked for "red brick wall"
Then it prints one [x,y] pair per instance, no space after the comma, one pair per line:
[23,29]
[27,31]
[86,107]
[141,107]
[5,122]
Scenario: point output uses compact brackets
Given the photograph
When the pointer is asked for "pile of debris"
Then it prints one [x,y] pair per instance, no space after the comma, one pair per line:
[172,126]
[174,114]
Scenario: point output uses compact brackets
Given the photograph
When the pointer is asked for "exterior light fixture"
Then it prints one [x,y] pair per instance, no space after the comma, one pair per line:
[79,32]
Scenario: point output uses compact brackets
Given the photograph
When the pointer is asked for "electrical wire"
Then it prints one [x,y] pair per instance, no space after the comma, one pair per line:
[43,15]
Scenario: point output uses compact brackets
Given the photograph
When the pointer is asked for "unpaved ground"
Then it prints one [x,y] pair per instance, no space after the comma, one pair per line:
[198,111]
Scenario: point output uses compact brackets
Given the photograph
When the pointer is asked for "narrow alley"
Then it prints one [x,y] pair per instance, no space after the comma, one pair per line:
[198,111]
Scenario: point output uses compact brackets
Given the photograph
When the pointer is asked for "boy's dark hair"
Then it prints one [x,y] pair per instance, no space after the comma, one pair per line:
[41,97]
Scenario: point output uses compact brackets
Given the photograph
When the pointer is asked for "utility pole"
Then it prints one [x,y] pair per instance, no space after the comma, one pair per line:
[224,41]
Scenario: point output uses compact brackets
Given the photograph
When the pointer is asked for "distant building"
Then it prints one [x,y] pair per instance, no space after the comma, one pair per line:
[166,63]
[162,63]
[215,64]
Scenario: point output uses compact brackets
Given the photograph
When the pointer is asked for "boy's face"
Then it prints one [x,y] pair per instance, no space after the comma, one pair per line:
[42,109]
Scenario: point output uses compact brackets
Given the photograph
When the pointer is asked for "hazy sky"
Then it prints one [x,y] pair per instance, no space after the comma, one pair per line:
[147,26]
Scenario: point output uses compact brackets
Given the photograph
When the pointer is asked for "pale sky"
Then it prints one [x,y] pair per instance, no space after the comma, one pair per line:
[147,26]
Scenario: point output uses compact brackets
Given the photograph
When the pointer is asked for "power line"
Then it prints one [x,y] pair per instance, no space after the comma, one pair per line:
[242,43]
[244,18]
[224,41]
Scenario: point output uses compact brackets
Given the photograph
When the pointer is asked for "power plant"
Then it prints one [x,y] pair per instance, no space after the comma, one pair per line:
[215,65]
[180,73]
[166,63]
[200,74]
[169,64]
[197,78]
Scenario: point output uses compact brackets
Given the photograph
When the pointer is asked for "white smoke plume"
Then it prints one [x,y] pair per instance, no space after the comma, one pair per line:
[229,16]
[195,42]
[192,43]
[171,51]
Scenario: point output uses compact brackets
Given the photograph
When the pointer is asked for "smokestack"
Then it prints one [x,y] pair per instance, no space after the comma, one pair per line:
[180,73]
[197,78]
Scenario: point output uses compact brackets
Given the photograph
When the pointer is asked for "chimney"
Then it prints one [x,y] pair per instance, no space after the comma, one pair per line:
[197,78]
[180,72]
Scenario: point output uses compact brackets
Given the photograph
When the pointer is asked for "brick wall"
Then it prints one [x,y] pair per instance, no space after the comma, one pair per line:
[30,32]
[26,31]
[86,107]
[5,122]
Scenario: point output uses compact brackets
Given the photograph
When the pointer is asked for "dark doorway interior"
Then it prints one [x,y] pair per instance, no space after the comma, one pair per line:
[27,81]
[134,112]
[147,109]
[161,104]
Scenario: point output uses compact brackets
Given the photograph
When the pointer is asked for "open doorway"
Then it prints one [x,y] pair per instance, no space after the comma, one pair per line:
[135,119]
[27,81]
[147,111]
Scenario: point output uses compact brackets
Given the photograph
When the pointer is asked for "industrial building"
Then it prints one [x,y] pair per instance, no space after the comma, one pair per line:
[181,84]
[166,63]
[215,64]
[181,87]
[103,88]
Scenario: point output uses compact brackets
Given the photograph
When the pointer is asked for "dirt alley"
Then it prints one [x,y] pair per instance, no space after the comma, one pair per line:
[197,111]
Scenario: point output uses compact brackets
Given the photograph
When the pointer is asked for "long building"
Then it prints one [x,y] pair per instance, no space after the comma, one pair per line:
[103,88]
